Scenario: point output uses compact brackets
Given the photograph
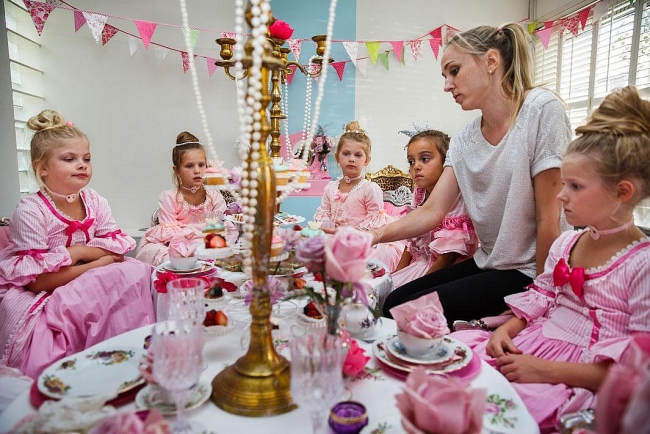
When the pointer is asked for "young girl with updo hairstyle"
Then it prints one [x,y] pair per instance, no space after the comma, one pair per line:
[353,200]
[182,210]
[65,283]
[582,312]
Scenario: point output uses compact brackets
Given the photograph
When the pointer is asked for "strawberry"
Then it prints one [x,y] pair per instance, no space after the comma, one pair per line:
[297,227]
[221,318]
[217,241]
[210,318]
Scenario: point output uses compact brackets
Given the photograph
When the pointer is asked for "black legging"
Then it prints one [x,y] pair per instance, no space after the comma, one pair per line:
[466,292]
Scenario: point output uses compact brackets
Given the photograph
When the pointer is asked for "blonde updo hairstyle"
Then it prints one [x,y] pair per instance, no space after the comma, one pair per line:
[354,133]
[436,138]
[616,139]
[185,142]
[51,132]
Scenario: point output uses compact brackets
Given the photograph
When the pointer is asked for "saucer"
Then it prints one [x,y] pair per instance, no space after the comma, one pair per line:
[441,354]
[167,266]
[146,398]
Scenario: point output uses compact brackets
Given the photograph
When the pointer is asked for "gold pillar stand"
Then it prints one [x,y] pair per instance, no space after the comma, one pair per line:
[259,383]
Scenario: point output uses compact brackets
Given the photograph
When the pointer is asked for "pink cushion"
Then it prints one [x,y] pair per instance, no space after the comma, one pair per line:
[392,210]
[4,236]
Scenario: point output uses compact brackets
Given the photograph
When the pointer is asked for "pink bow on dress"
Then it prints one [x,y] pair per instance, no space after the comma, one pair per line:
[75,226]
[575,277]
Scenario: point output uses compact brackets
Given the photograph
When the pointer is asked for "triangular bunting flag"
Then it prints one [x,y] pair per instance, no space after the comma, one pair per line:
[134,43]
[79,20]
[544,35]
[398,47]
[437,34]
[296,47]
[339,67]
[108,32]
[96,24]
[383,58]
[373,51]
[583,15]
[352,48]
[548,24]
[212,66]
[571,24]
[531,27]
[228,35]
[39,12]
[599,10]
[291,76]
[161,53]
[146,29]
[194,35]
[186,61]
[435,46]
[415,48]
[362,66]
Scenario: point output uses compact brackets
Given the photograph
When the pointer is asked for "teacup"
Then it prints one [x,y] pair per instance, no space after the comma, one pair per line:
[183,264]
[416,346]
[160,395]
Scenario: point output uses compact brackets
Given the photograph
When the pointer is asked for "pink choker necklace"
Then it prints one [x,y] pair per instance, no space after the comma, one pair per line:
[192,189]
[68,197]
[595,233]
[348,180]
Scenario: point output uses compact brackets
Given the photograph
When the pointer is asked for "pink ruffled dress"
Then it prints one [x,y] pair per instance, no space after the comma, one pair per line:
[575,315]
[179,218]
[39,329]
[362,208]
[454,235]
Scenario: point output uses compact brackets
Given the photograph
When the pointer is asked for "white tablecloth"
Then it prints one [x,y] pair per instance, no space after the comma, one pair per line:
[376,391]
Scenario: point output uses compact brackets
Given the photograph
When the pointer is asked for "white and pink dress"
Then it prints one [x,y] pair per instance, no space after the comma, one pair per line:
[454,235]
[576,315]
[38,329]
[362,208]
[177,217]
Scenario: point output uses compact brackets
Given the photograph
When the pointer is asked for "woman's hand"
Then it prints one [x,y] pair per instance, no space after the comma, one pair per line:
[500,344]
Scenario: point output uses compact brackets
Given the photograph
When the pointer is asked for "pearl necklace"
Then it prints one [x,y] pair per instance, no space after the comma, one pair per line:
[595,233]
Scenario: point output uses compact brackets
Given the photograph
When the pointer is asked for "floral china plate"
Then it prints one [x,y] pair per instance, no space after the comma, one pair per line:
[441,354]
[77,375]
[148,397]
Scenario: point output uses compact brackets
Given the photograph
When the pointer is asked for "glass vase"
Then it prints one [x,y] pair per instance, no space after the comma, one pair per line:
[333,318]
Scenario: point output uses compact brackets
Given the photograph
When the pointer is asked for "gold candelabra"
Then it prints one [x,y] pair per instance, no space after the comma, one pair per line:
[278,76]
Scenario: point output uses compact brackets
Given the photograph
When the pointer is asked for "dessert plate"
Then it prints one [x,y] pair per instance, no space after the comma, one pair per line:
[167,266]
[148,398]
[237,219]
[441,354]
[76,376]
[222,253]
[462,356]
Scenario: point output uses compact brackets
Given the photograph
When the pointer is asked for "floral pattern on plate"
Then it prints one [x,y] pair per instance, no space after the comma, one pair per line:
[441,354]
[148,398]
[111,357]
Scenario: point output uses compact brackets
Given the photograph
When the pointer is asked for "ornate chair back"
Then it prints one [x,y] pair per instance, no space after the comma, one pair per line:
[396,185]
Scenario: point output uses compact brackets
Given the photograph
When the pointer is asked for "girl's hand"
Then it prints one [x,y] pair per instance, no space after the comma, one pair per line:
[500,344]
[85,254]
[524,368]
[104,260]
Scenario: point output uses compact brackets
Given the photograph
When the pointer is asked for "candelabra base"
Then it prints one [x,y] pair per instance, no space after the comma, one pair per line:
[254,394]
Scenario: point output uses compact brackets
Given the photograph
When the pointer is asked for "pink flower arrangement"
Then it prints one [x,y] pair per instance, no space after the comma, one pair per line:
[355,360]
[280,30]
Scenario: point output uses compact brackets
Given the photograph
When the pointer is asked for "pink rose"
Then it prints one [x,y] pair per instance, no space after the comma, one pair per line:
[347,254]
[355,361]
[444,405]
[428,322]
[280,30]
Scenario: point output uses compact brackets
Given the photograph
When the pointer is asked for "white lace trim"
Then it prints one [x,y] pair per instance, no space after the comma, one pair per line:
[617,255]
[45,193]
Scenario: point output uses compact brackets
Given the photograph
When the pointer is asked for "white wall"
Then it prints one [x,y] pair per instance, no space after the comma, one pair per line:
[132,109]
[552,9]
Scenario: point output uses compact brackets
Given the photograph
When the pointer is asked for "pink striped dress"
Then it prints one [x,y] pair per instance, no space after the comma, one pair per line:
[570,321]
[38,329]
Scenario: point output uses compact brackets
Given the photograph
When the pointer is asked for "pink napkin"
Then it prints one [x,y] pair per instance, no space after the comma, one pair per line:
[149,422]
[441,405]
[422,317]
[624,395]
[181,247]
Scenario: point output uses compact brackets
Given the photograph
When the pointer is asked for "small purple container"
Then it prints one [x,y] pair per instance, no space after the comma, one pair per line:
[348,417]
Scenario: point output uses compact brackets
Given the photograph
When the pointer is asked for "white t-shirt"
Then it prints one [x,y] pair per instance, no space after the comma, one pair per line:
[497,181]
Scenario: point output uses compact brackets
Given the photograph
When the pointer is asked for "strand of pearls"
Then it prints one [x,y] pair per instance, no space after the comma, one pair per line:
[285,122]
[195,81]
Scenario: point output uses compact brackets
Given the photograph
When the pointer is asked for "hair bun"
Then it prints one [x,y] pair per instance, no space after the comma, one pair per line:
[45,120]
[186,138]
[353,127]
[622,113]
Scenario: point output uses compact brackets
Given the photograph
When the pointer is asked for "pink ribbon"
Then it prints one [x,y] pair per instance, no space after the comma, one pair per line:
[75,226]
[575,277]
[111,235]
[34,253]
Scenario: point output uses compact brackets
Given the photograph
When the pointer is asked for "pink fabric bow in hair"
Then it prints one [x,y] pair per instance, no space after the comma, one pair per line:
[575,277]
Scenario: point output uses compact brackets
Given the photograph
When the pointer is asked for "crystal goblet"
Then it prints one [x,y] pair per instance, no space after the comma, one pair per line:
[187,299]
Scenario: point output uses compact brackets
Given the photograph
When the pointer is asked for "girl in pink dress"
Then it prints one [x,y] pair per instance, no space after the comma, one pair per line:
[354,201]
[454,240]
[182,210]
[65,283]
[580,314]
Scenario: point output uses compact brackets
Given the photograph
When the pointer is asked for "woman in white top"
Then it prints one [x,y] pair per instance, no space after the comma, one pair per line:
[506,166]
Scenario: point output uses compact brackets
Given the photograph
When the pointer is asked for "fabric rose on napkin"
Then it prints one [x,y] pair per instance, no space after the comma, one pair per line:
[311,253]
[422,317]
[275,287]
[440,404]
[355,360]
[181,247]
[132,423]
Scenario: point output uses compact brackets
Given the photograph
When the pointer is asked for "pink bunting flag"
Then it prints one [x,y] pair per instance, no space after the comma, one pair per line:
[549,24]
[435,46]
[544,35]
[146,29]
[96,23]
[291,76]
[436,34]
[571,24]
[79,20]
[398,47]
[296,47]
[415,48]
[108,32]
[186,60]
[339,67]
[39,12]
[228,35]
[212,66]
[583,15]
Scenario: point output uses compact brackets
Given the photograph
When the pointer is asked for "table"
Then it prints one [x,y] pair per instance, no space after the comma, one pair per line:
[376,391]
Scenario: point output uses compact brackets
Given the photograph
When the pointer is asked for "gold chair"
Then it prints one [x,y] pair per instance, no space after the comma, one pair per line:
[396,185]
